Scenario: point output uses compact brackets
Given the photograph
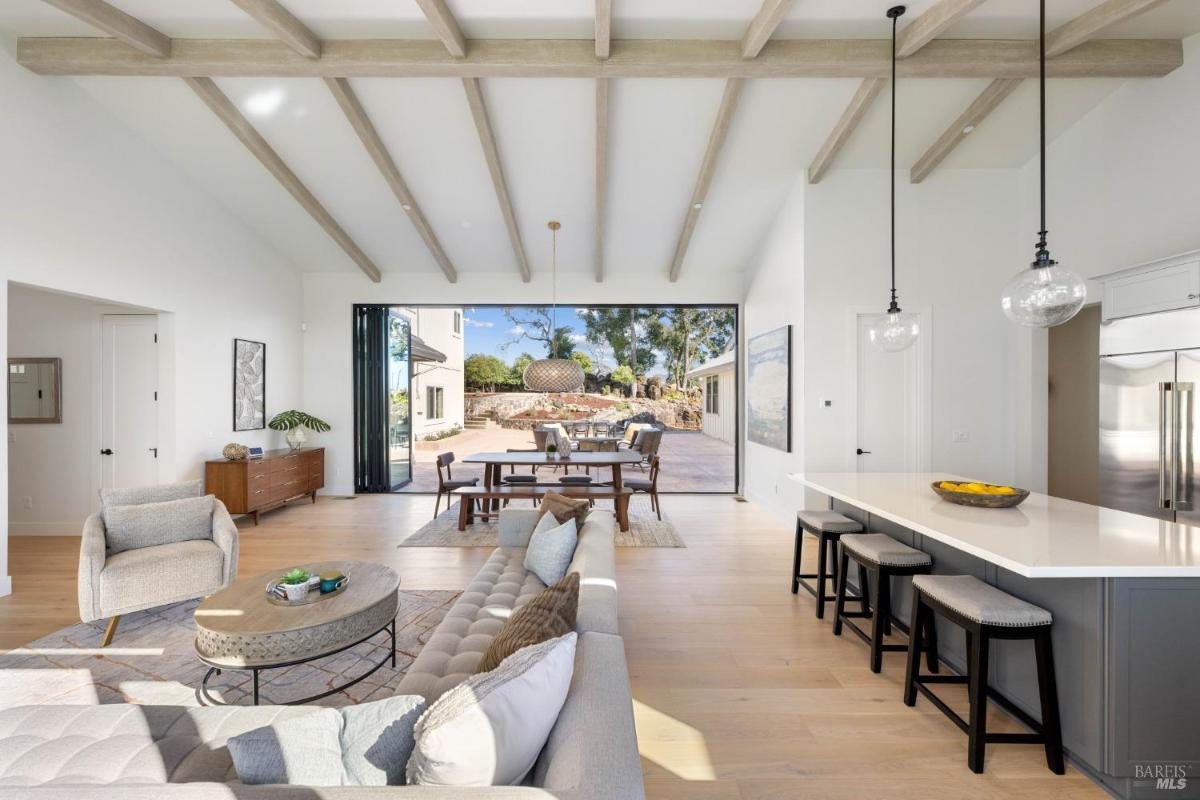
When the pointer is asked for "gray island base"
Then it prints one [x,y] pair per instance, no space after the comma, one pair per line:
[1125,594]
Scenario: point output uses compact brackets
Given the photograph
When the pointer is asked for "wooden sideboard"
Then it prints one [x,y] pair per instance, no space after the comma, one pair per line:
[261,484]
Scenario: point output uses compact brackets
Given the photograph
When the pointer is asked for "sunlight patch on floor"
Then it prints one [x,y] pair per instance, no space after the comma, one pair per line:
[673,745]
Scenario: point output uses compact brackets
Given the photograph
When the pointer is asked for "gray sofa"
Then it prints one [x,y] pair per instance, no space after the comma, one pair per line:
[125,752]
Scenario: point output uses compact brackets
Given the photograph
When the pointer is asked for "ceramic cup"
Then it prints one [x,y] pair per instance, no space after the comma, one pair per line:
[296,591]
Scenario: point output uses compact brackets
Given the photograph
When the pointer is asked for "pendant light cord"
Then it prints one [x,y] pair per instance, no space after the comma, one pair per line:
[894,307]
[1042,252]
[553,291]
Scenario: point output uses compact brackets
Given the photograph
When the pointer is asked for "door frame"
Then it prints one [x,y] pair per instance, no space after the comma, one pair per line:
[922,436]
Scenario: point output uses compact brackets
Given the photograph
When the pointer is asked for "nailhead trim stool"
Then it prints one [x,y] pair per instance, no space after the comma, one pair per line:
[885,557]
[987,613]
[827,526]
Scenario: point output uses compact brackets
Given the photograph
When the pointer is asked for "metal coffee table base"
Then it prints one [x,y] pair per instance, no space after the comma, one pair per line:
[207,699]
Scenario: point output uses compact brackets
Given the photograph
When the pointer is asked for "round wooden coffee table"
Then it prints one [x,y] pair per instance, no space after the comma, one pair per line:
[238,628]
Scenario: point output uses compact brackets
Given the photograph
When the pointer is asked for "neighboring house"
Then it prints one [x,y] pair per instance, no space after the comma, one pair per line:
[437,383]
[717,379]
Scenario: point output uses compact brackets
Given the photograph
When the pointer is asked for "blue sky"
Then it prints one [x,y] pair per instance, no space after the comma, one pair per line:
[487,330]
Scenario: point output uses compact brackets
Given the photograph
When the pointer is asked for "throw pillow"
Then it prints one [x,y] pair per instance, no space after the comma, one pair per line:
[489,730]
[551,547]
[549,615]
[302,750]
[150,524]
[564,508]
[151,494]
[377,739]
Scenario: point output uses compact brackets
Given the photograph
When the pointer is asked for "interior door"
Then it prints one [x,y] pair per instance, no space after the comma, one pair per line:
[1187,482]
[1136,405]
[887,406]
[129,401]
[399,400]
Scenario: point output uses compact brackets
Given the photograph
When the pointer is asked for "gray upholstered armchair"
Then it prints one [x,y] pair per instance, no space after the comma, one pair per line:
[158,569]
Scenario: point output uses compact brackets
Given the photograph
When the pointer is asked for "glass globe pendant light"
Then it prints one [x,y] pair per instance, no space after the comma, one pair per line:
[553,374]
[1046,294]
[895,330]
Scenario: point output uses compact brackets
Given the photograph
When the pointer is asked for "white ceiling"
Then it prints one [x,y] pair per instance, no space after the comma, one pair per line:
[545,129]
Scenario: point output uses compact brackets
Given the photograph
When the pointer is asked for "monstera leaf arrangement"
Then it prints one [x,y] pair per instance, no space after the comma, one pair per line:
[295,422]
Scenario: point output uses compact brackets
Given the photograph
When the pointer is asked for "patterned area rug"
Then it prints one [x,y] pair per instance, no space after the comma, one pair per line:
[152,662]
[645,530]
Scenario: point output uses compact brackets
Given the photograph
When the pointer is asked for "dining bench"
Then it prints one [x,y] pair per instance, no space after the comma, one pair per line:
[535,491]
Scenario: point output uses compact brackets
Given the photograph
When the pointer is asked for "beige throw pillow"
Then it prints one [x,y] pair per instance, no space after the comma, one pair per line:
[550,614]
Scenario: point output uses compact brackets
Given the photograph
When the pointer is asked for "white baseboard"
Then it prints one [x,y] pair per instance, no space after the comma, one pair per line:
[5,585]
[336,491]
[72,528]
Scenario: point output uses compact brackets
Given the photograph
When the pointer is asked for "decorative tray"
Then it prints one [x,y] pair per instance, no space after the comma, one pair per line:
[314,593]
[979,499]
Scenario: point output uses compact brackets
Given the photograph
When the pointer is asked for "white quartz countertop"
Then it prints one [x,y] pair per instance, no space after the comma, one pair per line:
[1044,537]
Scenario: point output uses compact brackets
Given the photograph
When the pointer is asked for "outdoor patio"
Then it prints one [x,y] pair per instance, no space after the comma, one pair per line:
[690,461]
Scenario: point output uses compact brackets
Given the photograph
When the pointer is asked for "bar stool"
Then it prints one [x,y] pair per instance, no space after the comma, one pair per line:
[827,526]
[886,558]
[987,613]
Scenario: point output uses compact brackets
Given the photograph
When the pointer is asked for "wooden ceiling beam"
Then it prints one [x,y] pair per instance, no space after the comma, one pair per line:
[927,27]
[963,126]
[603,28]
[868,90]
[277,19]
[708,167]
[115,22]
[357,116]
[792,58]
[763,25]
[491,153]
[445,26]
[601,173]
[1092,24]
[228,113]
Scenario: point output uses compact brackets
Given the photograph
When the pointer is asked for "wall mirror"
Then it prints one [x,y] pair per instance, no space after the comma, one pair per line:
[34,390]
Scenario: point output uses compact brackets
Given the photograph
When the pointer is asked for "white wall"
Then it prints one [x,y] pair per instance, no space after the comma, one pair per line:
[89,208]
[775,297]
[330,297]
[435,326]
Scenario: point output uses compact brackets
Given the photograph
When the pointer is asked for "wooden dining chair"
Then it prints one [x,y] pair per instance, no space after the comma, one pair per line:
[648,485]
[647,442]
[448,483]
[600,429]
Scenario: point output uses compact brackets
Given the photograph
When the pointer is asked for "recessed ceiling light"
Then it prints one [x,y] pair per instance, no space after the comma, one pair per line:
[697,205]
[266,102]
[406,206]
[968,129]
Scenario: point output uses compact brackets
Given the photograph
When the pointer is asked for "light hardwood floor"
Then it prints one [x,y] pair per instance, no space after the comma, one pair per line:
[740,692]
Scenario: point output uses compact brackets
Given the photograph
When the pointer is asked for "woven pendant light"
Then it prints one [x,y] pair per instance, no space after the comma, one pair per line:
[553,374]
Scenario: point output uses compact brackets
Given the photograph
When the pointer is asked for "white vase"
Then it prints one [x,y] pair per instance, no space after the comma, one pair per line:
[296,438]
[296,591]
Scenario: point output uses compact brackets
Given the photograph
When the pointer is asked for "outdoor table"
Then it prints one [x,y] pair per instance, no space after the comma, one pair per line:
[493,462]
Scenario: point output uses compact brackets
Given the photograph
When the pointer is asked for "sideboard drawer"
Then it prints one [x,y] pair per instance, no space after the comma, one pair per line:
[258,498]
[282,463]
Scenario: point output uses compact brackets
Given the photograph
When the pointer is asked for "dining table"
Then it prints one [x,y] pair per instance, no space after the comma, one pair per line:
[494,462]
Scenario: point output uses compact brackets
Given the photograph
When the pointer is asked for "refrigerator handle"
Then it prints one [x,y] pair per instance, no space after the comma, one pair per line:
[1164,494]
[1182,447]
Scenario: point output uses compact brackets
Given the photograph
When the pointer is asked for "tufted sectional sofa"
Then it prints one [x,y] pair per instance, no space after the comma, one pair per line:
[126,752]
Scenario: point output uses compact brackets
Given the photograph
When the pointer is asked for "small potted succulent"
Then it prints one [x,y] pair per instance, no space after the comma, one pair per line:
[295,584]
[552,451]
[294,422]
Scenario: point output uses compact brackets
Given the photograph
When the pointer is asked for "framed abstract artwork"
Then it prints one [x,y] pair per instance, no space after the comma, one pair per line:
[769,389]
[249,385]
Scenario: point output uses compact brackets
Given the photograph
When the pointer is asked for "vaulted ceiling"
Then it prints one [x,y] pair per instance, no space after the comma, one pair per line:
[667,156]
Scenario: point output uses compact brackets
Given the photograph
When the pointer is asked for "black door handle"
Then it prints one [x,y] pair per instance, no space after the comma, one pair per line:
[106,452]
[862,452]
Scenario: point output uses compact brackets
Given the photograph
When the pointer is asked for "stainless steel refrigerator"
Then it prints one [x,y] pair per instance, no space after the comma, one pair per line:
[1149,371]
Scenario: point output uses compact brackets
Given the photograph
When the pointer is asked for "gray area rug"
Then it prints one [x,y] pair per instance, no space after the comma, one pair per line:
[152,661]
[645,530]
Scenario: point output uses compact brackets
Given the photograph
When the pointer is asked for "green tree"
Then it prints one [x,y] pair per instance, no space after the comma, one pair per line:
[584,361]
[517,375]
[687,337]
[537,324]
[615,327]
[484,372]
[622,376]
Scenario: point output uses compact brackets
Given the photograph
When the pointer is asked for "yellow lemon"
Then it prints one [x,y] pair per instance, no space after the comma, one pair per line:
[949,486]
[1005,490]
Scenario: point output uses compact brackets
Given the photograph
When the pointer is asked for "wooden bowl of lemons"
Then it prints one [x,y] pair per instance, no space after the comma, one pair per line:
[979,495]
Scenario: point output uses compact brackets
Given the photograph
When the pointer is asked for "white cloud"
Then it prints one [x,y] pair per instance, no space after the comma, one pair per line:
[474,323]
[516,330]
[578,338]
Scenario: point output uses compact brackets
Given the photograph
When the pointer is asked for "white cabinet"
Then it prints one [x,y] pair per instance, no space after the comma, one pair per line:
[1160,286]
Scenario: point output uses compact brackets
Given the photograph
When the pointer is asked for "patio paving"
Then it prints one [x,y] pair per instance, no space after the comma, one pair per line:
[690,461]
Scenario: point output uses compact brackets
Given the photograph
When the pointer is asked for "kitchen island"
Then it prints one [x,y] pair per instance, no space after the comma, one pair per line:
[1125,594]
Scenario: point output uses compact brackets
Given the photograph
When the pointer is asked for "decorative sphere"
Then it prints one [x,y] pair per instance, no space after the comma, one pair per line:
[236,452]
[553,375]
[1043,297]
[894,331]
